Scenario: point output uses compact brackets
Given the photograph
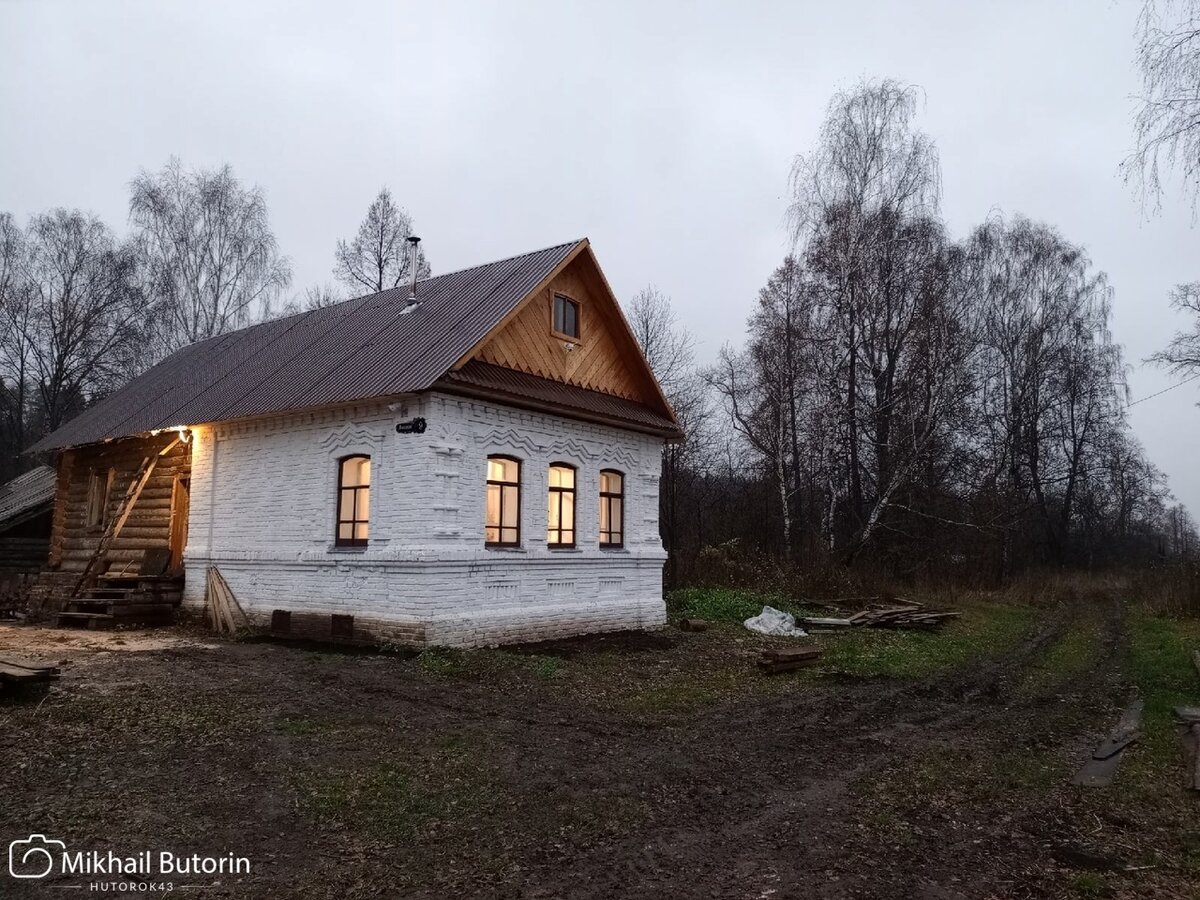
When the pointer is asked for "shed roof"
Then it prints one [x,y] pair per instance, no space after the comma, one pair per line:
[25,494]
[362,348]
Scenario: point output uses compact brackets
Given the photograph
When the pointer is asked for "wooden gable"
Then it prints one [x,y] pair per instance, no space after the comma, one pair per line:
[606,356]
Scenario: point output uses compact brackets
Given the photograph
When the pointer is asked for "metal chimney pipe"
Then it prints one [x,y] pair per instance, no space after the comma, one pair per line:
[414,242]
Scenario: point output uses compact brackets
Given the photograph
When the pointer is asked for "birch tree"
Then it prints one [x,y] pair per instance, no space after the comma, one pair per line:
[1167,122]
[212,264]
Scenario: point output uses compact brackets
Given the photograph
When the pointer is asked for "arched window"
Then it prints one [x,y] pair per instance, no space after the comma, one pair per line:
[502,519]
[560,518]
[612,508]
[353,501]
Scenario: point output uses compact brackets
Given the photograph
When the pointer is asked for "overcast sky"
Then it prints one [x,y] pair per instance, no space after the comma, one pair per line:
[664,132]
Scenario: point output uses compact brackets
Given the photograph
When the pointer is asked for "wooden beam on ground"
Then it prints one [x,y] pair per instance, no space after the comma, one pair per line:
[1100,768]
[787,659]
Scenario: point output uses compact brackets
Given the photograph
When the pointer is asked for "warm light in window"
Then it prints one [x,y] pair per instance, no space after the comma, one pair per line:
[560,506]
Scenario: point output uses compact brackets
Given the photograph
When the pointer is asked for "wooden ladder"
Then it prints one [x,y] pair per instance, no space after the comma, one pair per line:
[113,529]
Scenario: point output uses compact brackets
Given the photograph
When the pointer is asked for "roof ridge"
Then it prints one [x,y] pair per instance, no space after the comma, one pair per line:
[307,312]
[494,262]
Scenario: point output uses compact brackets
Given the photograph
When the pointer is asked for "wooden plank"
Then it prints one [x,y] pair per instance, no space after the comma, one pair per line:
[20,663]
[1195,729]
[599,361]
[1099,772]
[784,654]
[15,675]
[1113,745]
[1188,713]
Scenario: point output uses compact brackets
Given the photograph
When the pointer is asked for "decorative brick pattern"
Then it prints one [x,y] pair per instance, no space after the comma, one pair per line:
[425,576]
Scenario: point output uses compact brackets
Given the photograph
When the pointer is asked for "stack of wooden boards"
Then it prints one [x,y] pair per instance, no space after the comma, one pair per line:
[18,673]
[902,614]
[224,611]
[787,659]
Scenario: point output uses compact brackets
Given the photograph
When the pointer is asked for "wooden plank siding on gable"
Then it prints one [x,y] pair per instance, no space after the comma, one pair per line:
[599,361]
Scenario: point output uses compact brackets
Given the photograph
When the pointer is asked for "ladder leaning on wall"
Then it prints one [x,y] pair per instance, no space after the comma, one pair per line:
[113,529]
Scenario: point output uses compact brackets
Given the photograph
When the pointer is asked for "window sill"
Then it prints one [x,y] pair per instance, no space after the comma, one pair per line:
[502,548]
[338,548]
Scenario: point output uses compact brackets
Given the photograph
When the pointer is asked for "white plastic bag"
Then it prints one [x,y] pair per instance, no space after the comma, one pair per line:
[775,622]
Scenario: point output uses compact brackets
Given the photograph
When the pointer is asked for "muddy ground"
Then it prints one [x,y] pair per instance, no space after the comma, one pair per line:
[656,765]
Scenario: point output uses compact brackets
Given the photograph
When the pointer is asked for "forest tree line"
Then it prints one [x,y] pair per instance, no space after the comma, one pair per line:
[907,402]
[83,309]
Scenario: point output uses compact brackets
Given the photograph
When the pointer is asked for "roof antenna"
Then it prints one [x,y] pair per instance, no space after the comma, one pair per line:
[413,242]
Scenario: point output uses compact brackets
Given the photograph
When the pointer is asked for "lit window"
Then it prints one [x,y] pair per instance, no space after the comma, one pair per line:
[566,317]
[354,501]
[612,508]
[560,520]
[502,522]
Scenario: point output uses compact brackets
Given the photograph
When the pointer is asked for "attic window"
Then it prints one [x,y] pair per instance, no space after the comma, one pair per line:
[566,317]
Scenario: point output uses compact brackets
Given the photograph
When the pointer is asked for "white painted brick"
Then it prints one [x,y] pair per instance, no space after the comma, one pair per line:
[262,509]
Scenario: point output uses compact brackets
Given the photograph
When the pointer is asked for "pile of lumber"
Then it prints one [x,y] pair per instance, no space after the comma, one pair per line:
[787,659]
[905,614]
[224,611]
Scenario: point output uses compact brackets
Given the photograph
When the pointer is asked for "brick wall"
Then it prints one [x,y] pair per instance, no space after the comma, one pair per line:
[263,511]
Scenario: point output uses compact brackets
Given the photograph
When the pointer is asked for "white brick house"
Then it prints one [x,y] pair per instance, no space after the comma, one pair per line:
[504,488]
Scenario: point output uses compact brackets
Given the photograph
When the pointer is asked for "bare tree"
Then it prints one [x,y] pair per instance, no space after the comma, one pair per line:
[1182,355]
[1167,124]
[85,322]
[212,263]
[319,296]
[379,257]
[15,349]
[865,205]
[670,350]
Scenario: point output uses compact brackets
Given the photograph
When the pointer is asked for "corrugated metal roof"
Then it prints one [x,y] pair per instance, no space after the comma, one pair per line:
[361,348]
[521,388]
[27,492]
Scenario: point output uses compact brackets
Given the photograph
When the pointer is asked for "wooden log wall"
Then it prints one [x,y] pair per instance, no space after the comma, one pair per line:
[22,554]
[148,527]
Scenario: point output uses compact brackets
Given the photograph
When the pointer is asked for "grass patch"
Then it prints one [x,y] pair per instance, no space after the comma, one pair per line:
[400,802]
[440,661]
[1074,652]
[384,801]
[985,629]
[1089,884]
[1160,661]
[722,604]
[546,667]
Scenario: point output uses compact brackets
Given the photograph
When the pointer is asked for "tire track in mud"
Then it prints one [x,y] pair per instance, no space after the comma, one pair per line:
[776,779]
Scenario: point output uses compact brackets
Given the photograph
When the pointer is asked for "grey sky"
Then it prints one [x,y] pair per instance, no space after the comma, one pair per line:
[664,132]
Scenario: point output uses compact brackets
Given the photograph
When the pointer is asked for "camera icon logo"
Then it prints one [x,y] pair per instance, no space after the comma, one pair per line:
[33,857]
